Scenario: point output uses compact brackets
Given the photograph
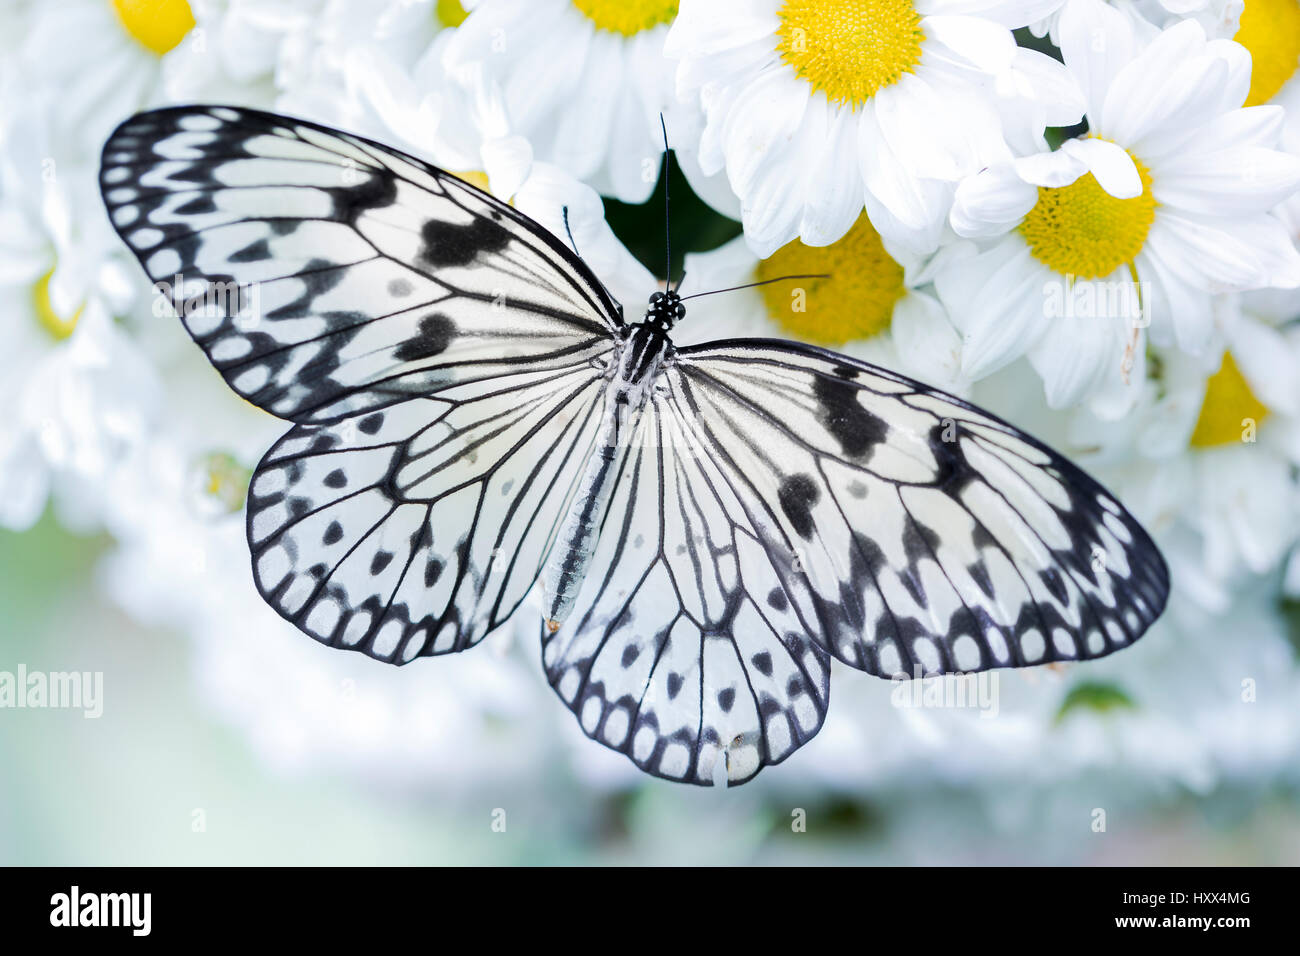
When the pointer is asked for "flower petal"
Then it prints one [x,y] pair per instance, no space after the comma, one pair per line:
[991,202]
[1110,164]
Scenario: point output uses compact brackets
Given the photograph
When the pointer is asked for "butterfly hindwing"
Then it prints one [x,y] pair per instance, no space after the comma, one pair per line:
[931,537]
[416,529]
[325,275]
[683,648]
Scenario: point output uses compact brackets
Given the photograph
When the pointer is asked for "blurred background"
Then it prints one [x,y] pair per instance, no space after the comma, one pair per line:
[226,737]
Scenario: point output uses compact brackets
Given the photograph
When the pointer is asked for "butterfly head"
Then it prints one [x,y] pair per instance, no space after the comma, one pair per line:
[665,309]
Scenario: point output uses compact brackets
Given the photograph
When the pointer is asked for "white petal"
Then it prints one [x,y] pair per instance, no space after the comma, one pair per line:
[1008,13]
[1173,85]
[1096,43]
[996,299]
[982,43]
[763,120]
[1231,182]
[991,202]
[704,28]
[1111,164]
[925,339]
[920,206]
[1050,169]
[1267,361]
[1180,312]
[1226,255]
[831,209]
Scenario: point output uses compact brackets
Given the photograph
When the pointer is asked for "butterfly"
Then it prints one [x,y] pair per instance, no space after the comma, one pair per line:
[473,416]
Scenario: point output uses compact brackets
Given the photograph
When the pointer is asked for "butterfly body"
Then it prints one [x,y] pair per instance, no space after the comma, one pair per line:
[711,525]
[641,352]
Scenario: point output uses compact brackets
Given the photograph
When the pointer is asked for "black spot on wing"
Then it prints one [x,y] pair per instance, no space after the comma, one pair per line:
[253,252]
[857,430]
[797,494]
[376,191]
[436,332]
[447,244]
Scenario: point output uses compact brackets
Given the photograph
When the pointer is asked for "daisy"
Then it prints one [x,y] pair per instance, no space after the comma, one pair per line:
[874,304]
[77,391]
[1270,30]
[181,562]
[1209,456]
[812,123]
[117,66]
[584,80]
[1165,202]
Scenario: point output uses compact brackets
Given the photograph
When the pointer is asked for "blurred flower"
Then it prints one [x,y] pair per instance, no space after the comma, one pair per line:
[1165,202]
[584,80]
[811,125]
[76,390]
[104,58]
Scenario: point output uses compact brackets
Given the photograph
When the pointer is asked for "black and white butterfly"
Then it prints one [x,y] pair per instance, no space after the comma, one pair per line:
[711,525]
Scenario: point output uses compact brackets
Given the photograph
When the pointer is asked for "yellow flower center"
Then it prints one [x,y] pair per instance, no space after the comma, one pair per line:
[627,17]
[1082,230]
[1270,30]
[1229,409]
[850,49]
[475,177]
[49,319]
[222,482]
[450,13]
[855,301]
[157,25]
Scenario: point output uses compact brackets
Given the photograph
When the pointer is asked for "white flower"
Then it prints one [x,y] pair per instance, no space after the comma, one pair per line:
[1270,30]
[450,724]
[102,57]
[77,392]
[1218,17]
[585,81]
[1208,456]
[872,303]
[812,124]
[1165,203]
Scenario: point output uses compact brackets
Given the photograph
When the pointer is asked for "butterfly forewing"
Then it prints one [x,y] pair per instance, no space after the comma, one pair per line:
[441,354]
[326,275]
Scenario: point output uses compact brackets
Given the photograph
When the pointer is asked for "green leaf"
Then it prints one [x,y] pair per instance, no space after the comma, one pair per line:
[1096,696]
[696,226]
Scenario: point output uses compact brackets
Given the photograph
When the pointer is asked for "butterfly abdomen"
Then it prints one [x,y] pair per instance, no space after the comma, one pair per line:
[633,376]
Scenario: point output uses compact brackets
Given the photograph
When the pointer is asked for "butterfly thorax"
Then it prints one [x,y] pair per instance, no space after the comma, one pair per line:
[640,356]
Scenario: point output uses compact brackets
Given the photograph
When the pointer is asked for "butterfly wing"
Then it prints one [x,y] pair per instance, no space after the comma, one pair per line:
[783,505]
[416,529]
[683,648]
[326,275]
[922,534]
[441,355]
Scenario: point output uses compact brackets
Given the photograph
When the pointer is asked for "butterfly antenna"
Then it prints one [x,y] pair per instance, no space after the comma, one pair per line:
[751,285]
[564,211]
[668,229]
